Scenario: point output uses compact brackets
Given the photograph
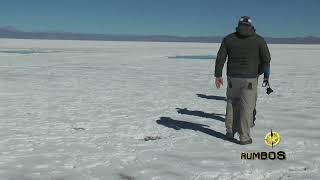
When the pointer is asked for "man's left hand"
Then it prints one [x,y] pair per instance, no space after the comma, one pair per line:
[219,82]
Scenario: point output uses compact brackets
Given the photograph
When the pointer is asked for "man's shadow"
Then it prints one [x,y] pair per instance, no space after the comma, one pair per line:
[201,114]
[177,125]
[219,98]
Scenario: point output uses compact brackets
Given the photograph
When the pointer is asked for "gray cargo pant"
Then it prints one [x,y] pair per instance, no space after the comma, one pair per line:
[241,101]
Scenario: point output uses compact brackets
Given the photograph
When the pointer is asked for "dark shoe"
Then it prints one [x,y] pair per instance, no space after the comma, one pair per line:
[246,142]
[230,135]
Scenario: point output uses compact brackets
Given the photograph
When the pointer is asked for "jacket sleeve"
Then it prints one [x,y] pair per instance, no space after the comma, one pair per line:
[221,59]
[265,59]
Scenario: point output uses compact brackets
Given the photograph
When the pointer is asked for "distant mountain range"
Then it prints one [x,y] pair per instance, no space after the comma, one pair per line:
[11,32]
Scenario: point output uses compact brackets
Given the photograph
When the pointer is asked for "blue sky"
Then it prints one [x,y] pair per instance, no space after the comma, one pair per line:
[278,18]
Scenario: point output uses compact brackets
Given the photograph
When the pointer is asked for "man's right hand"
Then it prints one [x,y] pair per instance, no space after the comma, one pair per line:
[219,82]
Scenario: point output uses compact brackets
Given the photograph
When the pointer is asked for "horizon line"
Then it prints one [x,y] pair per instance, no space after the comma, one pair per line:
[11,32]
[14,29]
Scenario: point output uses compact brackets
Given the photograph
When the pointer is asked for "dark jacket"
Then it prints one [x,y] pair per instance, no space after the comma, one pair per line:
[247,52]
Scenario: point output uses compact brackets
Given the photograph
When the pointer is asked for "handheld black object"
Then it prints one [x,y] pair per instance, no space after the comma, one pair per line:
[266,84]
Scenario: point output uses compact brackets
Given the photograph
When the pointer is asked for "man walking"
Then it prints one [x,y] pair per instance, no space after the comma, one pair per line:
[248,57]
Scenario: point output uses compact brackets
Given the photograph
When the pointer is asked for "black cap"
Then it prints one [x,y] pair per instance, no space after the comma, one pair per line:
[245,20]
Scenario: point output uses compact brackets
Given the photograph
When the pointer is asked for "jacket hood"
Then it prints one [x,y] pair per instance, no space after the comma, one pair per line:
[245,31]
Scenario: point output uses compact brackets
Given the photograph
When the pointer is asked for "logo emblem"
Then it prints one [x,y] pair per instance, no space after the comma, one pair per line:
[272,139]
